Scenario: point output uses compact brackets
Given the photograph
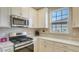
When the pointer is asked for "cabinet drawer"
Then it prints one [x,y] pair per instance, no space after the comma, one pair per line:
[72,48]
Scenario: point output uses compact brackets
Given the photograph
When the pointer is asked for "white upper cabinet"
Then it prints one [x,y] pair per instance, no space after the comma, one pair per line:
[75,17]
[43,18]
[38,18]
[25,12]
[4,17]
[16,11]
[33,21]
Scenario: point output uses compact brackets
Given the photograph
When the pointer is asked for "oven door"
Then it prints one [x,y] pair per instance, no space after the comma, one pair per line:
[31,47]
[28,44]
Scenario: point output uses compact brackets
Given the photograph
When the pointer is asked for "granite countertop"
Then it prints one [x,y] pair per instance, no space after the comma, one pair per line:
[6,44]
[66,41]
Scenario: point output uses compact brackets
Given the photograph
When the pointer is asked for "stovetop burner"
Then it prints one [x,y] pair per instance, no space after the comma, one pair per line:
[19,39]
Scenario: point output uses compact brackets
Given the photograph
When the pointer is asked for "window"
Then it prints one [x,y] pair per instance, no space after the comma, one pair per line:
[59,20]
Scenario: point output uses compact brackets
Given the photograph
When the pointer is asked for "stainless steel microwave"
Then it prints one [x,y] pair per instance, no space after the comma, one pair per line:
[19,21]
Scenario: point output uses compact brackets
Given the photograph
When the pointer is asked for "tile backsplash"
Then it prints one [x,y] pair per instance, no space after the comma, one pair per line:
[16,30]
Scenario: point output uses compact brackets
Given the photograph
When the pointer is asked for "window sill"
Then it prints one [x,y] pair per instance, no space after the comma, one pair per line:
[59,33]
[56,33]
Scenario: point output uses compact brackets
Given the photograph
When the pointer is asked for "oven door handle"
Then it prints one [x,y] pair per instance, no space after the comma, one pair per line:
[22,46]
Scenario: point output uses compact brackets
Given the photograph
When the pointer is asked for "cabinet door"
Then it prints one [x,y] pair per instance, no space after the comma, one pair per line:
[45,46]
[16,11]
[25,12]
[49,46]
[36,44]
[41,45]
[52,46]
[43,18]
[33,18]
[75,16]
[58,47]
[4,17]
[71,48]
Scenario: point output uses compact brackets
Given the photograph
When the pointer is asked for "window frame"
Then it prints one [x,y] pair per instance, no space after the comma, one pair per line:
[67,20]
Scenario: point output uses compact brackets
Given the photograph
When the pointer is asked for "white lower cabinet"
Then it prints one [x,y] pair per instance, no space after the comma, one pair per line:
[58,47]
[52,46]
[71,48]
[49,46]
[42,45]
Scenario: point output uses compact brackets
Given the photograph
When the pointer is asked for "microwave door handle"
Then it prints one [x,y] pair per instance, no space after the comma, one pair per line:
[27,22]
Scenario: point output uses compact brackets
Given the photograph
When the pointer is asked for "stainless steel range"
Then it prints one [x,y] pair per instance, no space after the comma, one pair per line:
[21,40]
